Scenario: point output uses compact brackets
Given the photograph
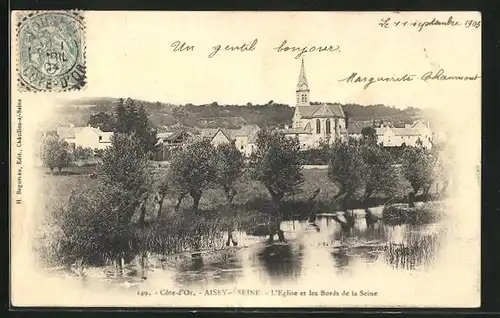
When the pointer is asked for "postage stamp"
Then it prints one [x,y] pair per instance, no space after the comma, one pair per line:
[51,51]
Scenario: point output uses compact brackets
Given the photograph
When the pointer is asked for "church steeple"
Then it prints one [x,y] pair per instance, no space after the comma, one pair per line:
[302,90]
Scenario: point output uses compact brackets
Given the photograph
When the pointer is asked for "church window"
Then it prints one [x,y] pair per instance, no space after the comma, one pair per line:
[328,127]
[318,126]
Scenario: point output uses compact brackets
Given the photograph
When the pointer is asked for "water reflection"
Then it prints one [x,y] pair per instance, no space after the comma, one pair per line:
[310,255]
[281,260]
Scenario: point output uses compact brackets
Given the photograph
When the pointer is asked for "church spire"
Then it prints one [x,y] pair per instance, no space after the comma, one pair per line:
[302,91]
[302,84]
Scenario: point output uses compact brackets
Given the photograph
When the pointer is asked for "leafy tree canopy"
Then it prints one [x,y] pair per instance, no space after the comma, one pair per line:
[277,163]
[55,153]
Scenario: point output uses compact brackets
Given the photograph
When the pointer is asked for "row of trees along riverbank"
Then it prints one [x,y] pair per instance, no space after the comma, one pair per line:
[106,220]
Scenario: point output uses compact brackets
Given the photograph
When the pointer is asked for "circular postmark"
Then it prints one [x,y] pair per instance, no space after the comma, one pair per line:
[51,48]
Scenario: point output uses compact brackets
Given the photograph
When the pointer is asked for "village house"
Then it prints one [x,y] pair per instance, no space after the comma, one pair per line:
[169,141]
[85,137]
[314,123]
[243,138]
[418,133]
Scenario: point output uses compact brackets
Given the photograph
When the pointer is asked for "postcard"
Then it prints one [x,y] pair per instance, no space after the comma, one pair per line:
[245,159]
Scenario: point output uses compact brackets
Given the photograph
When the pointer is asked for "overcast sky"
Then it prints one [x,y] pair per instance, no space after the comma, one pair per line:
[129,54]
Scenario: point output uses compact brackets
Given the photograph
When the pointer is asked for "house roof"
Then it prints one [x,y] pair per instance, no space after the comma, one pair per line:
[382,130]
[208,132]
[175,135]
[69,132]
[250,131]
[226,134]
[406,131]
[244,130]
[247,130]
[65,132]
[97,131]
[321,111]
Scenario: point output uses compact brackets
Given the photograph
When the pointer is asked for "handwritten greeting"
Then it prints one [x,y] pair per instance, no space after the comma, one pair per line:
[249,46]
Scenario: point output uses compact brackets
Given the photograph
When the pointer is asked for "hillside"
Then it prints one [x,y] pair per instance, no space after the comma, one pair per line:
[226,116]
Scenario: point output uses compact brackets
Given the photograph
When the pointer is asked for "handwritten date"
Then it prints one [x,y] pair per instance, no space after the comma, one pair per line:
[388,22]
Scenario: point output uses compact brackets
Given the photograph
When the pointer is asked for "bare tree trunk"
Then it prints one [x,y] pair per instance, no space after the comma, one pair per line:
[275,221]
[230,194]
[160,207]
[426,191]
[179,201]
[196,195]
[313,209]
[411,199]
[161,198]
[370,218]
[144,262]
[142,216]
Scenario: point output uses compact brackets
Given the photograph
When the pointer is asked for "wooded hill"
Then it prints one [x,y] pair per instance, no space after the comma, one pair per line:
[214,115]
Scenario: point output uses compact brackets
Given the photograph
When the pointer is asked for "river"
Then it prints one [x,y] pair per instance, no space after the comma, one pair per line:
[323,256]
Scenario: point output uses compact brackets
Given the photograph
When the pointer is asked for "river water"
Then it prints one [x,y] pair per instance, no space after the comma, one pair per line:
[384,262]
[322,254]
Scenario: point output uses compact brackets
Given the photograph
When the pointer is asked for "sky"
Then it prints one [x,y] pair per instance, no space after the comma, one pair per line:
[130,54]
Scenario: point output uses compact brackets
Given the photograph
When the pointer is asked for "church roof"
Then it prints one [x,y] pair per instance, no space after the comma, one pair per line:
[298,130]
[321,111]
[302,78]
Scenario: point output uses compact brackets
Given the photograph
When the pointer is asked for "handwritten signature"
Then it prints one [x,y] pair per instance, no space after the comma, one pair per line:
[426,77]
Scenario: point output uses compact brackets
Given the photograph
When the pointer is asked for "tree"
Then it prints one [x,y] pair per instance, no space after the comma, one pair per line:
[193,169]
[55,153]
[381,176]
[347,169]
[80,153]
[124,165]
[277,163]
[120,117]
[102,120]
[92,226]
[230,163]
[132,118]
[369,135]
[418,167]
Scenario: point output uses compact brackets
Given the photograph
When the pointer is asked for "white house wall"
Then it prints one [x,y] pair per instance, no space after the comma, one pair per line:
[88,138]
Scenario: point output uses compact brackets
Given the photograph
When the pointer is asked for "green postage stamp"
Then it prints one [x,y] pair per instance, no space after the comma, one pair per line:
[51,51]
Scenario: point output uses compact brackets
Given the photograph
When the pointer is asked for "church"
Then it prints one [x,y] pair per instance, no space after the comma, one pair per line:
[314,123]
